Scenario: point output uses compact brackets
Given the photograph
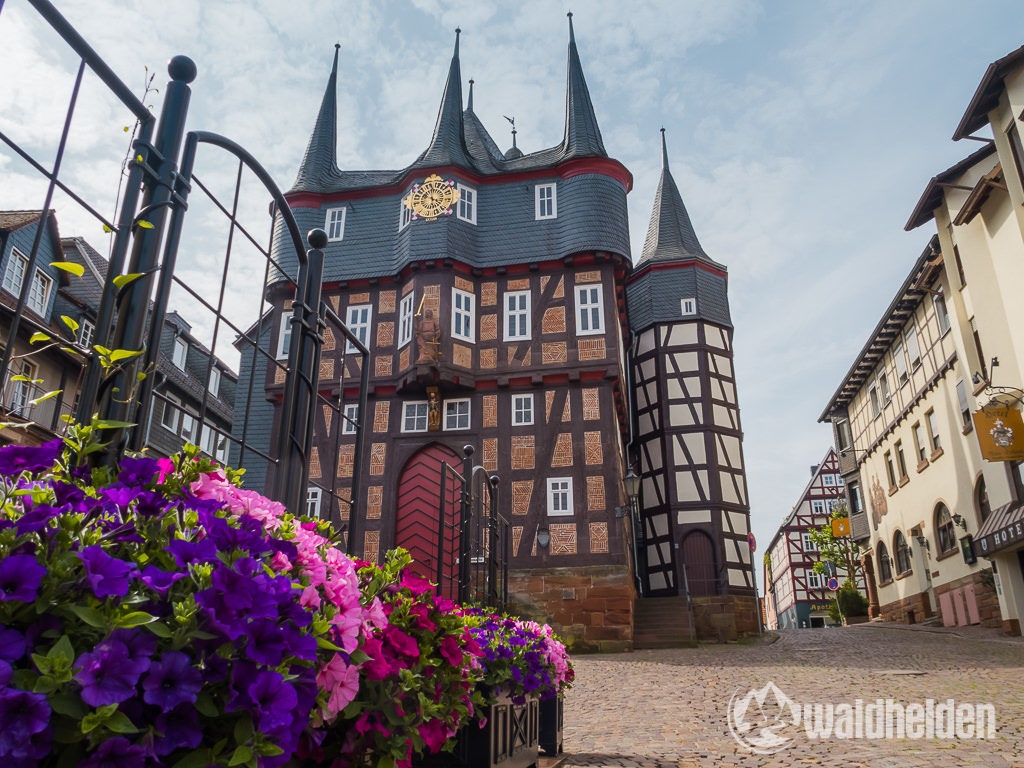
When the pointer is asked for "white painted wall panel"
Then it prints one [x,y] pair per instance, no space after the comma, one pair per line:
[692,516]
[683,333]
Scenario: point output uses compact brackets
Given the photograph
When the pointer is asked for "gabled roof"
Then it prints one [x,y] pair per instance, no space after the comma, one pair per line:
[12,220]
[987,94]
[459,138]
[830,454]
[888,328]
[670,234]
[931,198]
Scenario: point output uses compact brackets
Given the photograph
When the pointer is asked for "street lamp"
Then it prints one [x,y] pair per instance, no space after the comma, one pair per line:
[631,484]
[543,537]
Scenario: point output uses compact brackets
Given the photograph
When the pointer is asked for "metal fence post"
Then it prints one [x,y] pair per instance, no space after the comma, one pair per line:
[492,543]
[465,522]
[304,363]
[133,302]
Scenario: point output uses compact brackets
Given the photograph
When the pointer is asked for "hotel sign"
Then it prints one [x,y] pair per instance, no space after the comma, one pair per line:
[1000,431]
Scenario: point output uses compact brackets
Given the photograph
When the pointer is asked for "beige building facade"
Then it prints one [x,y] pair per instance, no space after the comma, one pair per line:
[911,470]
[976,206]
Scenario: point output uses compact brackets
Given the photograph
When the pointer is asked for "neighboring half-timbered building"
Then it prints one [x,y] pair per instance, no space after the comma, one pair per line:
[798,597]
[491,290]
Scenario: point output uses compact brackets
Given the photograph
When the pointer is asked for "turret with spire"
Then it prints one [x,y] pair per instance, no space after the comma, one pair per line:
[582,135]
[448,144]
[320,164]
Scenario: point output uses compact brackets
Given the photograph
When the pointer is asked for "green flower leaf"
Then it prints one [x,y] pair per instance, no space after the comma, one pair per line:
[135,619]
[45,397]
[200,758]
[144,224]
[159,629]
[39,336]
[124,354]
[112,424]
[69,704]
[68,266]
[122,280]
[241,755]
[72,324]
[90,616]
[119,723]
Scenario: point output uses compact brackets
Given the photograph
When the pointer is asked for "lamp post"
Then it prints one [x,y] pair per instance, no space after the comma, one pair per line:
[631,485]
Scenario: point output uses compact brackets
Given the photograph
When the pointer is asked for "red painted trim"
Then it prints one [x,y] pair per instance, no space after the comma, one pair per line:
[520,381]
[603,166]
[676,265]
[557,378]
[383,389]
[487,384]
[589,376]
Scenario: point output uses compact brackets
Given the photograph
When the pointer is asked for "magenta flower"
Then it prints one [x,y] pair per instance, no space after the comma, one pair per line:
[172,681]
[450,649]
[20,577]
[108,576]
[402,642]
[19,458]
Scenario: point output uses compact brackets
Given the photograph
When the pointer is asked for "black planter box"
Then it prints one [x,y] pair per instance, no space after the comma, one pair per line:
[551,718]
[509,739]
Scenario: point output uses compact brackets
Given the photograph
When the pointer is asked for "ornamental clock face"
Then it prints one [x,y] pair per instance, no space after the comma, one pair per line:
[434,197]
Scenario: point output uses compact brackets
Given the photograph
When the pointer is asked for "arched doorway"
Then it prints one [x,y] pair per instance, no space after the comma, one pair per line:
[699,564]
[417,521]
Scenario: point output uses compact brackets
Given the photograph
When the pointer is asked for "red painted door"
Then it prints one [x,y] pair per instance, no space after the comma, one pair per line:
[417,521]
[973,615]
[699,564]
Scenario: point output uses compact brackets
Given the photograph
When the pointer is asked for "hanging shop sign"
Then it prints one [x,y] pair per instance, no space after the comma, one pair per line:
[841,526]
[1000,431]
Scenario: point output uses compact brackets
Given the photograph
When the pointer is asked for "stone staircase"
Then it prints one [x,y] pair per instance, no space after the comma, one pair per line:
[661,622]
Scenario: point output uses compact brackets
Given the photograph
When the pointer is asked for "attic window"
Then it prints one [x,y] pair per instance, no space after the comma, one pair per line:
[180,352]
[467,203]
[335,223]
[404,216]
[545,202]
[689,307]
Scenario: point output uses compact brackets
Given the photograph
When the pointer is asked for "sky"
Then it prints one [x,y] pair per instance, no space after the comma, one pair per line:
[800,134]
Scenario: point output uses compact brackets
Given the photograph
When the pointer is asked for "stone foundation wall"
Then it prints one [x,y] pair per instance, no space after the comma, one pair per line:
[907,610]
[590,607]
[984,593]
[724,617]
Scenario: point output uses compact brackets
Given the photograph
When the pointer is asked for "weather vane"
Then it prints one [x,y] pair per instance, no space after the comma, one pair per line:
[512,121]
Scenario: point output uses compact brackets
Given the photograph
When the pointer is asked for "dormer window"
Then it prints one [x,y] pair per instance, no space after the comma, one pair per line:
[180,352]
[689,307]
[466,210]
[545,201]
[335,224]
[404,215]
[215,381]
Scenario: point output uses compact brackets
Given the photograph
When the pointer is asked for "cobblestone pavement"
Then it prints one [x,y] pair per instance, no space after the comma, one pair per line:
[668,708]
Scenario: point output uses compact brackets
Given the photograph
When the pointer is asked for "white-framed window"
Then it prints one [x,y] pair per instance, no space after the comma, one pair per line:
[14,275]
[817,507]
[22,391]
[335,223]
[188,426]
[913,350]
[414,416]
[39,293]
[215,381]
[832,504]
[314,496]
[357,318]
[466,208]
[873,398]
[941,313]
[965,406]
[463,320]
[180,352]
[222,449]
[689,307]
[839,480]
[351,417]
[560,496]
[899,360]
[404,215]
[815,580]
[883,386]
[589,310]
[284,335]
[522,410]
[169,418]
[809,546]
[86,333]
[405,319]
[456,414]
[545,201]
[208,440]
[828,479]
[517,315]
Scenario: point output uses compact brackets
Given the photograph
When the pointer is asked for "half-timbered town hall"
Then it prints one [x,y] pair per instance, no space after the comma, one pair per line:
[497,296]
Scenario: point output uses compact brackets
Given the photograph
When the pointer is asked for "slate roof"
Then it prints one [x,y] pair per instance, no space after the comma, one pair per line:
[670,234]
[655,296]
[456,140]
[88,289]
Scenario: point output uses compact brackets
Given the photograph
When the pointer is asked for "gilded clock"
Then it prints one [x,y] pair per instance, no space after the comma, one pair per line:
[434,197]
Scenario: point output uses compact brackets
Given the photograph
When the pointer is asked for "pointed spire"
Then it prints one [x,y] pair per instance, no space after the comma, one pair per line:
[582,135]
[447,147]
[320,162]
[469,103]
[670,234]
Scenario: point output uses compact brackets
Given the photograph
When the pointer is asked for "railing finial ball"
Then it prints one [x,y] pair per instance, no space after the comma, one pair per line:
[182,69]
[317,238]
[468,450]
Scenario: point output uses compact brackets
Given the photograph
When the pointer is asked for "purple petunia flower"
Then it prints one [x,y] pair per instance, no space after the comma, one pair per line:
[180,728]
[272,700]
[158,579]
[6,673]
[118,497]
[266,642]
[185,552]
[140,646]
[172,681]
[12,644]
[138,471]
[35,519]
[19,458]
[20,577]
[108,576]
[23,715]
[151,504]
[117,752]
[107,674]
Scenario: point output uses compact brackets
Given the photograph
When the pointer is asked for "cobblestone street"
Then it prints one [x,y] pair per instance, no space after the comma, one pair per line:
[669,707]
